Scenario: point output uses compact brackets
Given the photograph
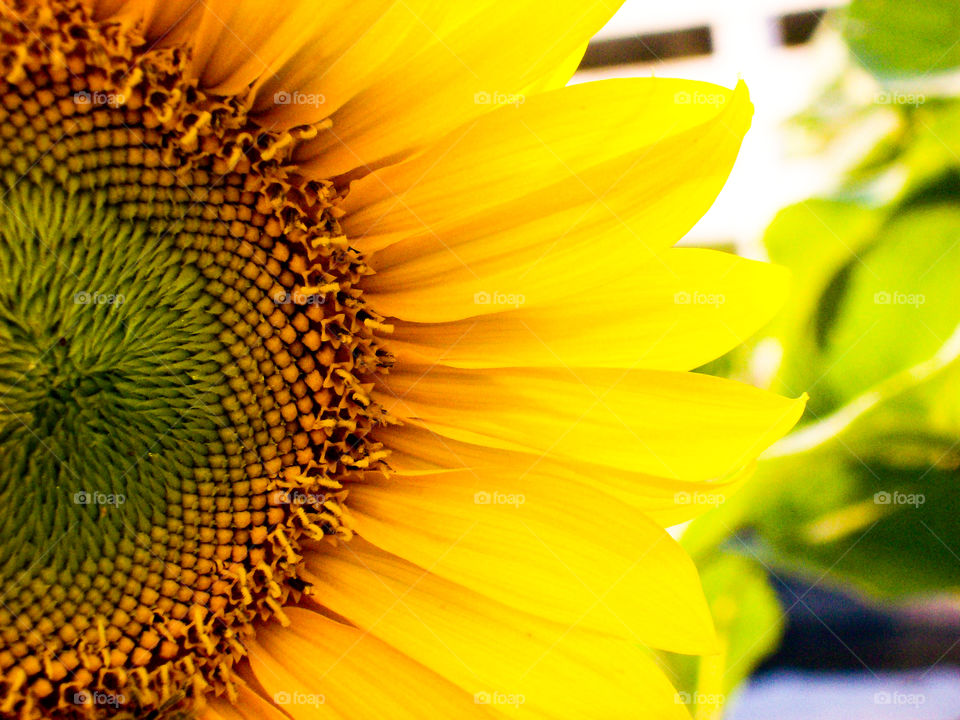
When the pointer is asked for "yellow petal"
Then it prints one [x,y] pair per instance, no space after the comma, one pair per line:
[500,49]
[235,43]
[320,668]
[577,127]
[583,559]
[231,31]
[364,43]
[585,183]
[666,501]
[677,312]
[561,76]
[686,426]
[519,662]
[248,706]
[156,19]
[119,10]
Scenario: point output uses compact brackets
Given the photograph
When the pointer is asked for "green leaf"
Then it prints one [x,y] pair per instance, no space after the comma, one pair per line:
[892,38]
[899,303]
[818,240]
[868,495]
[932,147]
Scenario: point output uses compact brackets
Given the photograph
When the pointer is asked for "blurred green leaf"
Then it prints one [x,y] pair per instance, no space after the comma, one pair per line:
[748,617]
[892,38]
[749,622]
[931,146]
[872,294]
[898,303]
[867,495]
[818,240]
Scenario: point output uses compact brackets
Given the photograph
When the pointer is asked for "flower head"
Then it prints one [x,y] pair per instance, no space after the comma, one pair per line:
[343,362]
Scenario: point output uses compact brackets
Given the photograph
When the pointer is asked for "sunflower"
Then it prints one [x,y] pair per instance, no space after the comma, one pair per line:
[345,362]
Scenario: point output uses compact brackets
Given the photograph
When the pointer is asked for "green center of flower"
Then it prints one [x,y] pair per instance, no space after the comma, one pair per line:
[142,449]
[111,380]
[182,347]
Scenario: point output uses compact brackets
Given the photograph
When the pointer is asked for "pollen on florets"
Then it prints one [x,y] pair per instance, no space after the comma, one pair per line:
[185,353]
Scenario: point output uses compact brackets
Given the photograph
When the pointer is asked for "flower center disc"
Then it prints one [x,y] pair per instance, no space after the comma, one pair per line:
[181,351]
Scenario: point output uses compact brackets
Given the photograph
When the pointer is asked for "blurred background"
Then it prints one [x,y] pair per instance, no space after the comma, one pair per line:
[833,574]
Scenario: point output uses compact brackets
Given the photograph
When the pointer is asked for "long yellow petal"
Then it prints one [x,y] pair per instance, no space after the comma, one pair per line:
[676,312]
[584,559]
[666,501]
[364,44]
[320,668]
[563,193]
[686,426]
[249,706]
[235,43]
[156,19]
[514,151]
[499,51]
[222,37]
[517,662]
